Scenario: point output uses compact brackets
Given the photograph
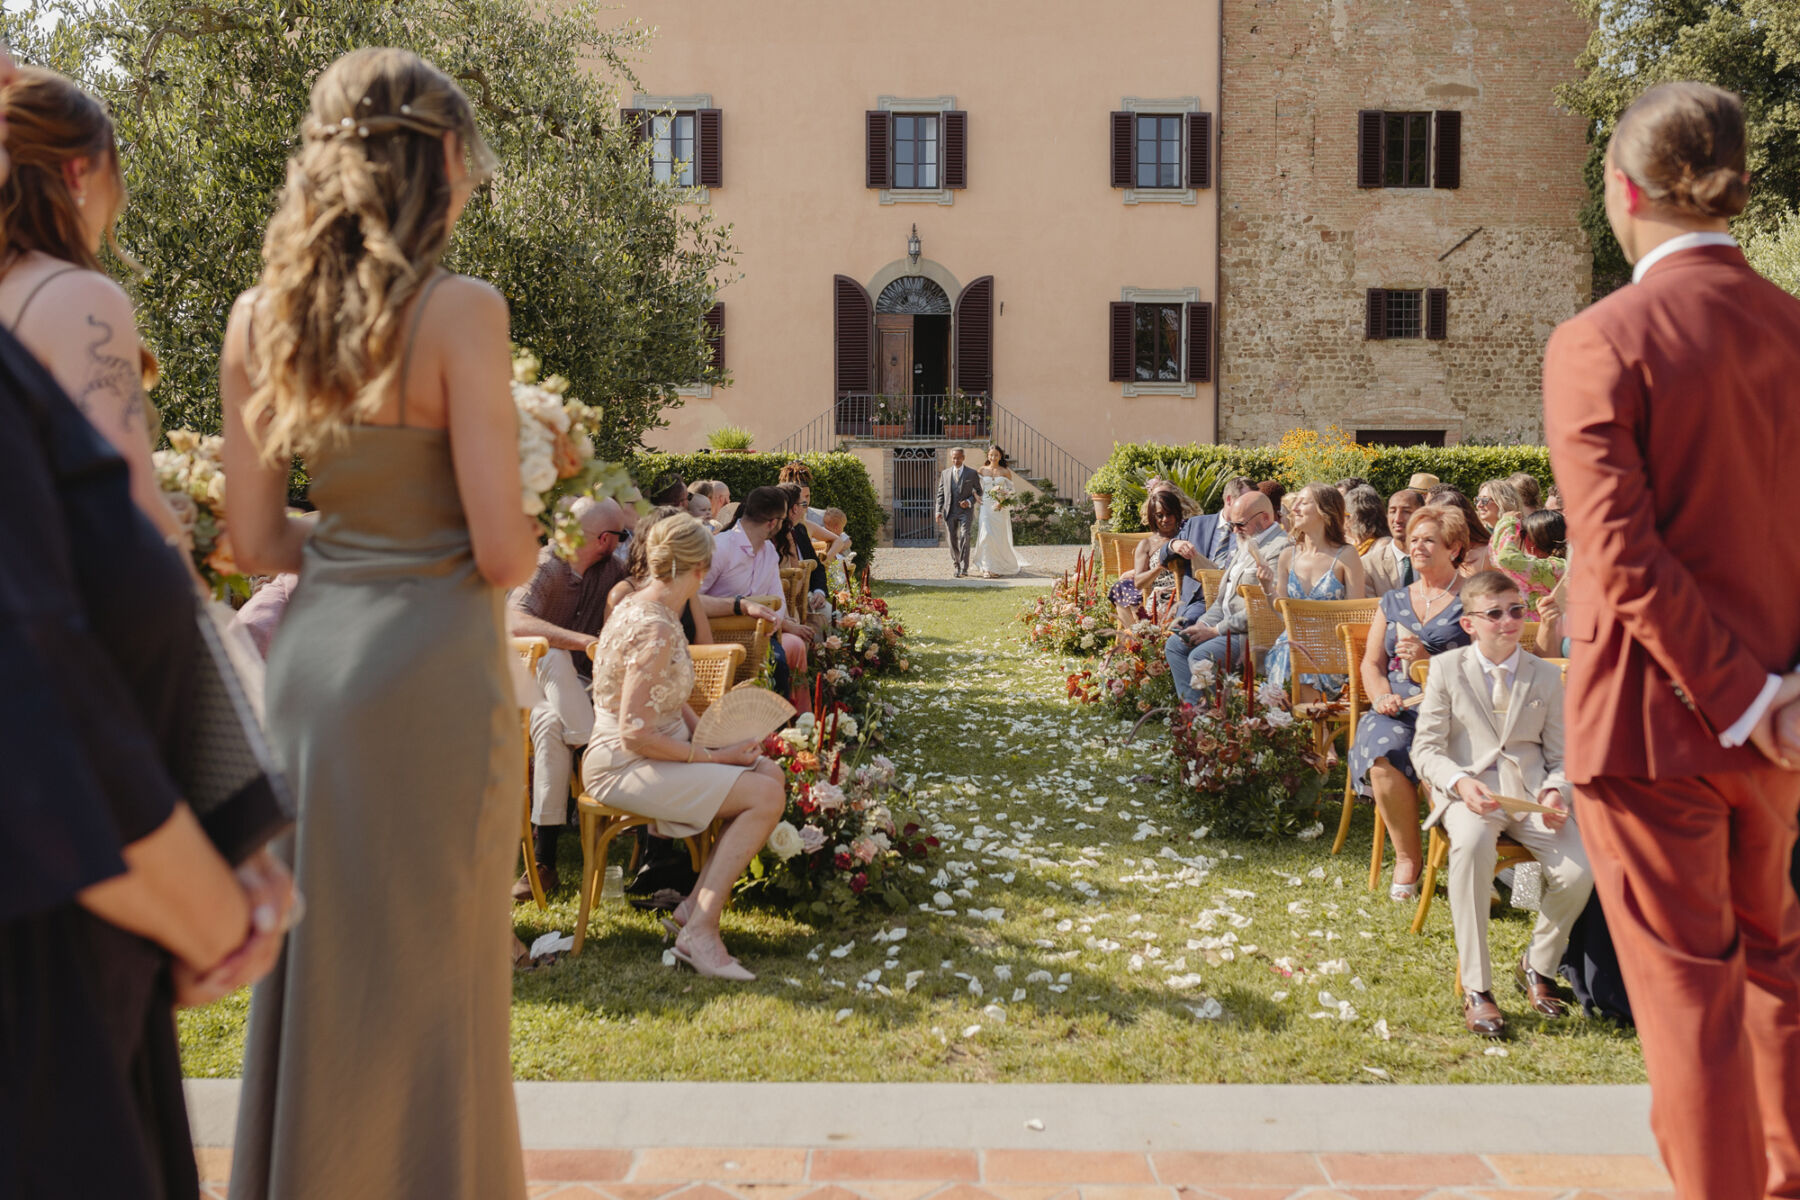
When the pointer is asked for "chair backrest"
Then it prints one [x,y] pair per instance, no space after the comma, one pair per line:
[749,632]
[1264,624]
[714,669]
[1355,639]
[1208,578]
[1528,635]
[1312,631]
[793,586]
[1118,551]
[530,649]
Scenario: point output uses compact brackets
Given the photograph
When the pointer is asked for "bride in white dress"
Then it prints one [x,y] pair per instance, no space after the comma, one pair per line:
[993,555]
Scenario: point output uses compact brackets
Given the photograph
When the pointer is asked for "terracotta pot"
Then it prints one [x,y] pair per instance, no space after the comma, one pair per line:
[888,431]
[1102,505]
[967,433]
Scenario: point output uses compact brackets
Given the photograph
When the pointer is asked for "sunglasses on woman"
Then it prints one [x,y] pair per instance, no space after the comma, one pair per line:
[1514,612]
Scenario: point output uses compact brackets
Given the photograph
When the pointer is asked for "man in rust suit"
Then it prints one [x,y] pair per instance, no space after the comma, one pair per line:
[1670,406]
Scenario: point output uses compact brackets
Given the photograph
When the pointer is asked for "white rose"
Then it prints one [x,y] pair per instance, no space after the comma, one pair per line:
[1087,641]
[785,841]
[1279,718]
[847,727]
[538,473]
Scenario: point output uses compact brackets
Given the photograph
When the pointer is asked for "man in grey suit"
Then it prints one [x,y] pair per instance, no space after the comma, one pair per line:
[959,491]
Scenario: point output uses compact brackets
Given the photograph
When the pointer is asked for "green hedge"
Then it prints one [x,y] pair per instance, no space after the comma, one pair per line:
[1463,467]
[839,481]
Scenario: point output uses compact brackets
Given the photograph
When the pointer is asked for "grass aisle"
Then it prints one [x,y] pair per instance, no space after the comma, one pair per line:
[1089,936]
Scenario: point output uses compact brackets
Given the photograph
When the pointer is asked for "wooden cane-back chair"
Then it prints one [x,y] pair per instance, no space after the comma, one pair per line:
[1508,852]
[793,589]
[1314,648]
[1355,639]
[1118,551]
[714,669]
[752,634]
[530,650]
[1208,578]
[1263,623]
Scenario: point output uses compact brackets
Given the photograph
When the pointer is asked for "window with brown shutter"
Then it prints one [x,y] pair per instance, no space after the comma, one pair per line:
[1122,333]
[709,166]
[1200,342]
[1368,148]
[880,140]
[1437,314]
[1448,158]
[1121,149]
[715,335]
[853,320]
[956,149]
[975,337]
[1375,316]
[1199,150]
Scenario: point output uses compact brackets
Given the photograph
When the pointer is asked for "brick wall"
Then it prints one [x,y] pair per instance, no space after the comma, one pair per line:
[1300,242]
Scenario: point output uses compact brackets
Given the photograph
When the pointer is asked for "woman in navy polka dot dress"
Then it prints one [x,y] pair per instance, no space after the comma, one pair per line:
[1415,622]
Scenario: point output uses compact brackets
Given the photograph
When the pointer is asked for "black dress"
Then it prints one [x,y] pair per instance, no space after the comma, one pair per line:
[97,639]
[805,551]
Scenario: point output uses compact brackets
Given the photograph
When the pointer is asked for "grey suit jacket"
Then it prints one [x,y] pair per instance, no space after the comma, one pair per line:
[952,492]
[1458,732]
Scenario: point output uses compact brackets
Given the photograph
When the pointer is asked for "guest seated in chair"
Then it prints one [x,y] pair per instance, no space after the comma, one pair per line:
[747,563]
[1491,724]
[1386,563]
[637,574]
[1216,635]
[1319,552]
[1166,508]
[1205,539]
[1365,519]
[1415,622]
[564,603]
[642,758]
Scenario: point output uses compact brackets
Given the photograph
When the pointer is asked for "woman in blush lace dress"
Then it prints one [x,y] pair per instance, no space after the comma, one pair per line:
[993,556]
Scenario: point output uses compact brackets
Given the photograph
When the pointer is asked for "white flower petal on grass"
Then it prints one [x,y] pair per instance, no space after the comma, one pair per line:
[1381,1030]
[1378,1073]
[1316,873]
[1278,997]
[1208,1009]
[1495,1052]
[942,900]
[1018,995]
[971,1031]
[844,950]
[1333,966]
[995,1013]
[974,987]
[912,979]
[843,1014]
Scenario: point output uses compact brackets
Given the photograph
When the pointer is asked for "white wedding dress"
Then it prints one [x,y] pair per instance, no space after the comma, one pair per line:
[993,553]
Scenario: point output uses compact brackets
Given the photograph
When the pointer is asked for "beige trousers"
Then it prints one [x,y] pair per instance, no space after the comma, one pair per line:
[1568,882]
[562,720]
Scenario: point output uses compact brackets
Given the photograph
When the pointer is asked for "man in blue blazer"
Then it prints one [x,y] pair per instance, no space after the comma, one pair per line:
[1204,538]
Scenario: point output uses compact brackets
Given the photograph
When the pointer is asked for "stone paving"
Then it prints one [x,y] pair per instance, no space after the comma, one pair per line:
[785,1173]
[931,564]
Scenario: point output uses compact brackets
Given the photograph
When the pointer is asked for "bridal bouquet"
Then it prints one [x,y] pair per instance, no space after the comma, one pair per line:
[1004,494]
[556,455]
[1073,617]
[1250,768]
[191,476]
[845,838]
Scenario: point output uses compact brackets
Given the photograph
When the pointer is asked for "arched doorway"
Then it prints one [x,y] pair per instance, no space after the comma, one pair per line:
[912,339]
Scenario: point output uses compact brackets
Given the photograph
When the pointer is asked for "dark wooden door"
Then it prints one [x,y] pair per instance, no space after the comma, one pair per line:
[894,354]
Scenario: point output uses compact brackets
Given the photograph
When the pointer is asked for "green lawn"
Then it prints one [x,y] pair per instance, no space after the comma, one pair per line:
[1110,894]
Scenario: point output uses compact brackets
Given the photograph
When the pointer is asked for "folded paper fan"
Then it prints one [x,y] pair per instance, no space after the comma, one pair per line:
[747,714]
[1515,805]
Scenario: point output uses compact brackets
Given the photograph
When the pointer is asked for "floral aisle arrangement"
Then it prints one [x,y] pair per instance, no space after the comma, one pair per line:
[557,464]
[847,838]
[191,476]
[864,643]
[1073,616]
[1249,767]
[1132,677]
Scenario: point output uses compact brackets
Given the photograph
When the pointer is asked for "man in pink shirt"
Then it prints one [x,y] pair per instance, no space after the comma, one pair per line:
[746,564]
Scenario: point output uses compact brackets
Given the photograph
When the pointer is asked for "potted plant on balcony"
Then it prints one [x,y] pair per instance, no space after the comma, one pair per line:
[731,439]
[889,416]
[962,416]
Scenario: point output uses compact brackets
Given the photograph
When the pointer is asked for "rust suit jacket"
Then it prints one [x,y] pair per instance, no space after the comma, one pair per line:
[1672,409]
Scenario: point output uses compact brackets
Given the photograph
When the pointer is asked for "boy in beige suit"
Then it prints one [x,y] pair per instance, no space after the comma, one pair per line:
[1491,724]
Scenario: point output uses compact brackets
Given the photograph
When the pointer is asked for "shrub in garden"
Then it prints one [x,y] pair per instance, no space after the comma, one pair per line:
[1247,767]
[839,481]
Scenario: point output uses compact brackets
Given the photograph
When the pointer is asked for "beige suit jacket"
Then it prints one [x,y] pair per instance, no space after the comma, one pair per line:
[1381,568]
[1519,753]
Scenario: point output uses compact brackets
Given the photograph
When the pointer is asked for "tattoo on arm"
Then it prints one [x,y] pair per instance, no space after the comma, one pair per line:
[110,375]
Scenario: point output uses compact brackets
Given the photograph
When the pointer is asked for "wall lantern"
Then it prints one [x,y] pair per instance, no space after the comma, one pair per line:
[913,246]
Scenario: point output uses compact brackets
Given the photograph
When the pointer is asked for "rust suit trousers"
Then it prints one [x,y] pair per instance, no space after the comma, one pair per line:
[1694,876]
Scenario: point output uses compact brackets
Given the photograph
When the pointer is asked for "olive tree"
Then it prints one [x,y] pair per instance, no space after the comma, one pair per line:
[609,273]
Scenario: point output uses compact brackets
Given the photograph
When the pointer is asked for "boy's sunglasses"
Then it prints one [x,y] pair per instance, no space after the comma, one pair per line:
[1514,611]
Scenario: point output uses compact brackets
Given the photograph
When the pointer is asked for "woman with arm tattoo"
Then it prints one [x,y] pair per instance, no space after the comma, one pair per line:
[60,202]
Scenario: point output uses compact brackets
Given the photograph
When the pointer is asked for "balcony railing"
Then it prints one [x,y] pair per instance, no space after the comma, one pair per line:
[891,418]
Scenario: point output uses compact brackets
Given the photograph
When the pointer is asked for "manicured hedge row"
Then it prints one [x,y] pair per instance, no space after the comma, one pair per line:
[839,481]
[1463,467]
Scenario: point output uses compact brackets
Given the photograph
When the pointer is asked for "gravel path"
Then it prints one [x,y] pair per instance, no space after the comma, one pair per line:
[931,564]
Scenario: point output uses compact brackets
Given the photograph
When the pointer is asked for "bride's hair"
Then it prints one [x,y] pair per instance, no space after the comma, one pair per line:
[360,225]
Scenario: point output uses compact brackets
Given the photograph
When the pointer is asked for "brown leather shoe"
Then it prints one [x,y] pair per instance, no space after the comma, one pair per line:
[521,891]
[1539,990]
[1482,1015]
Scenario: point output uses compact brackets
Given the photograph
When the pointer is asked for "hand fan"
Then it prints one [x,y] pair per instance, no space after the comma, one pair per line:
[1513,804]
[742,715]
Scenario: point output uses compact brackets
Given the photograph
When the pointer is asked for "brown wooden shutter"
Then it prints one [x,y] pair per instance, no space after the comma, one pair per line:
[880,126]
[1447,172]
[636,122]
[853,319]
[975,337]
[1368,148]
[1437,314]
[1122,326]
[709,165]
[1375,320]
[1121,150]
[1200,150]
[715,334]
[956,149]
[1200,342]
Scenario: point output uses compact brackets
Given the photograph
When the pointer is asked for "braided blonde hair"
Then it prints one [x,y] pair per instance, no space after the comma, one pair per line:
[361,224]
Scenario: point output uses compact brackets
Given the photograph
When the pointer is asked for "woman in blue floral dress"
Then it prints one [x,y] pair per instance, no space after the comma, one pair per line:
[1319,547]
[1417,621]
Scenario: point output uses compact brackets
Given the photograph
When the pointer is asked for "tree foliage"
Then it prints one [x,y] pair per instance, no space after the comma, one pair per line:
[608,273]
[1749,46]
